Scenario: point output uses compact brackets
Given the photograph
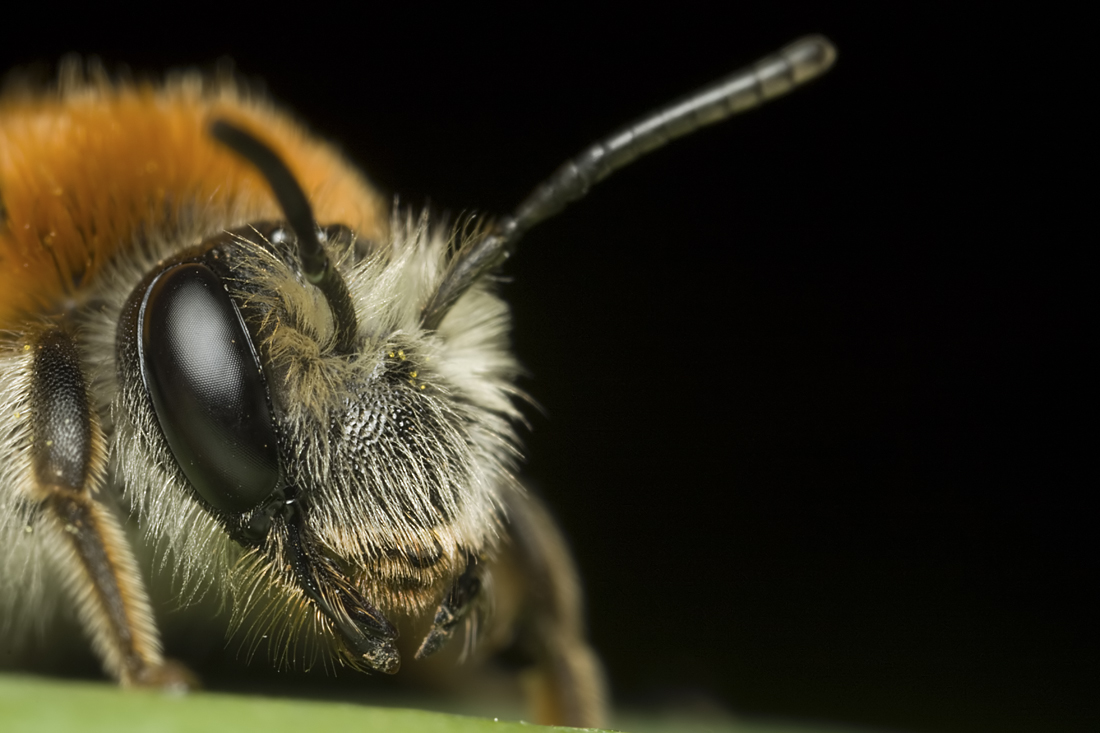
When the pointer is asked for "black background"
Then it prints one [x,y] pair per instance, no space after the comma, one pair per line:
[813,380]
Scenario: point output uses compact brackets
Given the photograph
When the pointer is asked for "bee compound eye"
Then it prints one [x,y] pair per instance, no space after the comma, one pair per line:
[203,377]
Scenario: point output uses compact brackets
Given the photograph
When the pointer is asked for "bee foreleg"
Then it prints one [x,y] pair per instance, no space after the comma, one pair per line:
[456,607]
[567,685]
[68,463]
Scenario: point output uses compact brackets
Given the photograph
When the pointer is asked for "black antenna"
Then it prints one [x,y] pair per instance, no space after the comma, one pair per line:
[292,200]
[770,77]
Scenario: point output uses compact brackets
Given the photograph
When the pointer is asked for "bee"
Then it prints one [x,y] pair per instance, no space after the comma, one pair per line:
[219,342]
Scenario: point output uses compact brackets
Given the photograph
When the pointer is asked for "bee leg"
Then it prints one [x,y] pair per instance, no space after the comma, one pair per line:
[455,608]
[567,685]
[68,463]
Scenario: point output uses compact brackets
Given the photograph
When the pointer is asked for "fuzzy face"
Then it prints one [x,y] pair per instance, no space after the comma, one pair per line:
[392,457]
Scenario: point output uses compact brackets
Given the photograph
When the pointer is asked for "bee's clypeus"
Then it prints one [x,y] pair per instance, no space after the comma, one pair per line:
[215,330]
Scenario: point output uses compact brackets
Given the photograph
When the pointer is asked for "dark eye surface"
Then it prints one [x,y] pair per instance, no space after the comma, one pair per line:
[204,379]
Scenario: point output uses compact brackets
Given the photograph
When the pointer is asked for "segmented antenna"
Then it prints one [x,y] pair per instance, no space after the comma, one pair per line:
[292,200]
[770,77]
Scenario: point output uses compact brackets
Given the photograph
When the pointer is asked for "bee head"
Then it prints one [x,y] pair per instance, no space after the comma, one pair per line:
[332,416]
[287,411]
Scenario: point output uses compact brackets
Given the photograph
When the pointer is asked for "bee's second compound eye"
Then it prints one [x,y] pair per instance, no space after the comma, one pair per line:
[204,379]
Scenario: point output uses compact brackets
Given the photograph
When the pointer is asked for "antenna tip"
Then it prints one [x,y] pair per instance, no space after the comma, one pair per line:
[809,57]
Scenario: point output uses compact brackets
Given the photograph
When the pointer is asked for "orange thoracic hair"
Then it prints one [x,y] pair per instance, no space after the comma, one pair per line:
[90,168]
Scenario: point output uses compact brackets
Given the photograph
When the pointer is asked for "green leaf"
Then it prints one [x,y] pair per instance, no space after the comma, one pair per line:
[41,705]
